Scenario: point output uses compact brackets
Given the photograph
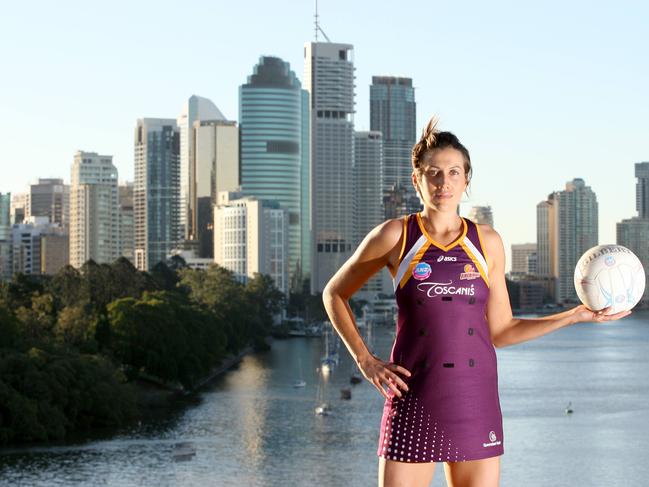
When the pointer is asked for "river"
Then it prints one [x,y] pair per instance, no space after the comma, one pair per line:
[251,427]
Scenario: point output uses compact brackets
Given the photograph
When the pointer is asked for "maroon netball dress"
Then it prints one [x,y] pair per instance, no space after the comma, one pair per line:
[451,411]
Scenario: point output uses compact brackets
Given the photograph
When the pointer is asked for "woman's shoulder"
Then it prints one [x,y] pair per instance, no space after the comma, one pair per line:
[392,227]
[491,241]
[389,232]
[488,233]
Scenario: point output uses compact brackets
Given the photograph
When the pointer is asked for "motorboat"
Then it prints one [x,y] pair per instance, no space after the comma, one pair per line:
[183,451]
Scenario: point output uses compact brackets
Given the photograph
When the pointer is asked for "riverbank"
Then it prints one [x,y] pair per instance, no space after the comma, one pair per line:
[153,394]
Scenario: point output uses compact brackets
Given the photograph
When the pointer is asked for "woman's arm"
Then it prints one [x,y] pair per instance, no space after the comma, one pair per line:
[504,328]
[375,251]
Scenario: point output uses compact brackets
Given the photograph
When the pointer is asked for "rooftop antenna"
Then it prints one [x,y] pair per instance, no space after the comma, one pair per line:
[317,25]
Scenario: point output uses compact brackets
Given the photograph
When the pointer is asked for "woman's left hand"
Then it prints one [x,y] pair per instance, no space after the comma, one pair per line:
[582,313]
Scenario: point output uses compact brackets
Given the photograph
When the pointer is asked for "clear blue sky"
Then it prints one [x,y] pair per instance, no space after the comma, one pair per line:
[539,93]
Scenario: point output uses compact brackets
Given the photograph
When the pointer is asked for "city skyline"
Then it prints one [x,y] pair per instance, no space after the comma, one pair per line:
[569,105]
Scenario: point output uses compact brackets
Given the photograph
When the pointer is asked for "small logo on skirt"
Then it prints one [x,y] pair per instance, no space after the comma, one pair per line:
[492,439]
[421,271]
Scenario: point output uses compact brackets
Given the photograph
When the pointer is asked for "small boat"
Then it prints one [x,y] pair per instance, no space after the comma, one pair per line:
[330,358]
[569,408]
[323,410]
[183,451]
[300,382]
[326,368]
[345,393]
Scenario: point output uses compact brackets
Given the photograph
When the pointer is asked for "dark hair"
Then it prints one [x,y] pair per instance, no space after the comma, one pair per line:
[432,139]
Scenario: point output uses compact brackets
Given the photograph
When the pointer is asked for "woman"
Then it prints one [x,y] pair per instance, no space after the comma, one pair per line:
[441,385]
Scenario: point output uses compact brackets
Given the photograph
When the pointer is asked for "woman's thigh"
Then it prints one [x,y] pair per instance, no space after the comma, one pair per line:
[405,474]
[473,473]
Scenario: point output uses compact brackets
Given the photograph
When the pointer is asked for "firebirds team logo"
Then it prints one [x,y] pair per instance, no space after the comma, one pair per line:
[469,273]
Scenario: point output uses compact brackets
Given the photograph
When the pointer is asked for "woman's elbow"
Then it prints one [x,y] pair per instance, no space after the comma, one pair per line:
[497,341]
[329,292]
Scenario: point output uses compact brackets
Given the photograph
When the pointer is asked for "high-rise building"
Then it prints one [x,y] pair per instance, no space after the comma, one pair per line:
[524,259]
[27,239]
[26,244]
[368,204]
[215,164]
[274,124]
[329,79]
[546,238]
[94,217]
[156,190]
[481,214]
[18,207]
[576,226]
[196,108]
[368,170]
[50,198]
[126,241]
[547,245]
[393,112]
[55,250]
[642,189]
[532,260]
[5,236]
[633,233]
[250,236]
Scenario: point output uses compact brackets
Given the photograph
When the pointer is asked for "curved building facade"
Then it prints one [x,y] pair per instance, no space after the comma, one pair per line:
[274,152]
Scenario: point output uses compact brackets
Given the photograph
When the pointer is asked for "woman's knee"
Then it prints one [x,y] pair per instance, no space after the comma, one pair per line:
[405,474]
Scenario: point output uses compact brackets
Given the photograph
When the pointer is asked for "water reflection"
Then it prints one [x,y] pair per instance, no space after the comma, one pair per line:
[250,427]
[247,382]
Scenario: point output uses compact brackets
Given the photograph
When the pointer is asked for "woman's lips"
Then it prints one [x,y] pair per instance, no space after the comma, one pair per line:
[443,195]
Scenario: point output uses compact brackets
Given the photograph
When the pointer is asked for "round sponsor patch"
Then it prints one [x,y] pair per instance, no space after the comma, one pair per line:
[421,271]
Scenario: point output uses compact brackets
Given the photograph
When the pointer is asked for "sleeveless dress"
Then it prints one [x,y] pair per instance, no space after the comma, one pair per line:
[451,411]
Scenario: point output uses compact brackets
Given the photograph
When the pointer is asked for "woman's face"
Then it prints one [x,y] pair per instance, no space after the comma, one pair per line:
[442,180]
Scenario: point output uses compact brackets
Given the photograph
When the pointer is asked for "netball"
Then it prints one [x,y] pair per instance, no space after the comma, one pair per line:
[609,275]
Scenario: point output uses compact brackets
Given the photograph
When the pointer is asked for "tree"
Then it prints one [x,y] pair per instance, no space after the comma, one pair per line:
[21,288]
[265,298]
[43,396]
[38,320]
[163,277]
[74,328]
[176,262]
[67,286]
[164,335]
[10,328]
[96,280]
[126,280]
[217,289]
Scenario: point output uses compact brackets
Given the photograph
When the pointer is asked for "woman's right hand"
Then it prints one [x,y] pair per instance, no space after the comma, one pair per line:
[379,372]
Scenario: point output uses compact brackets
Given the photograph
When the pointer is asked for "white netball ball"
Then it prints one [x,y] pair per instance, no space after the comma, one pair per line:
[609,275]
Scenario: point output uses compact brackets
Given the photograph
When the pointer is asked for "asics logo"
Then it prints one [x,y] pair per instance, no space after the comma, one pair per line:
[443,258]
